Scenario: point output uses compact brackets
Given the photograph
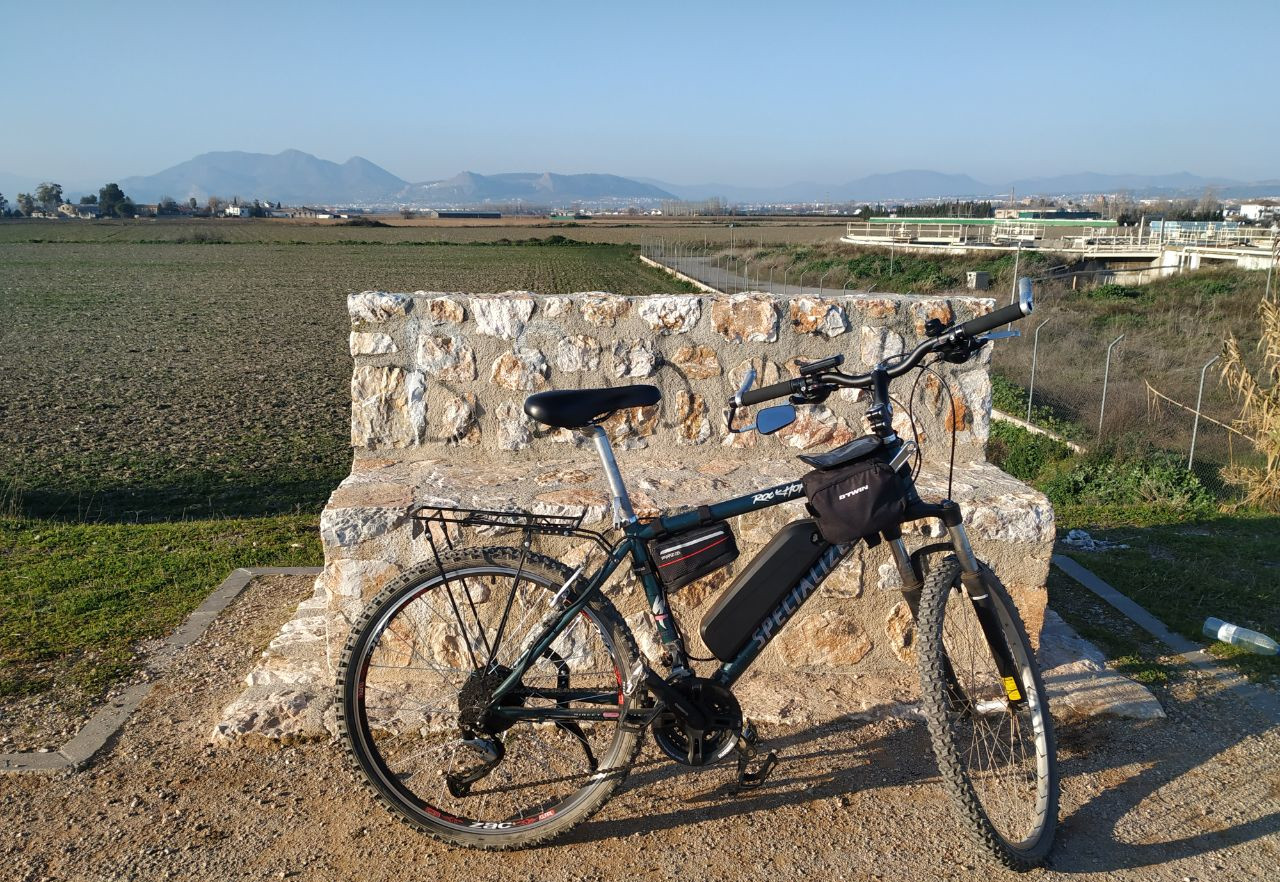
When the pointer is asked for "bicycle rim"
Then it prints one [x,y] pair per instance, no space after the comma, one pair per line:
[416,654]
[993,735]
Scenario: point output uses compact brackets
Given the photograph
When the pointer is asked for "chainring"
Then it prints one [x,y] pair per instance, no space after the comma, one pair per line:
[721,708]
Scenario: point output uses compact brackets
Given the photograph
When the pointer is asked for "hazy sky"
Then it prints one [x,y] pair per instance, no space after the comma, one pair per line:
[737,92]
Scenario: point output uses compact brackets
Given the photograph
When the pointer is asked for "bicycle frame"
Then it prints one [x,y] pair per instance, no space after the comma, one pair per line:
[633,545]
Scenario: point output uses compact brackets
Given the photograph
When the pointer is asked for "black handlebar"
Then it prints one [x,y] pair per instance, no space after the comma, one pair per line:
[1002,316]
[956,338]
[766,393]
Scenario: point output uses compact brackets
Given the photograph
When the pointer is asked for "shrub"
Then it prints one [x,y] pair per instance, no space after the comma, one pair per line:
[1025,455]
[1114,292]
[1108,476]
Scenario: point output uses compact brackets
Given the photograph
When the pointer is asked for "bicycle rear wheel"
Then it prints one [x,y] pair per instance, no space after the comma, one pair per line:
[420,667]
[991,731]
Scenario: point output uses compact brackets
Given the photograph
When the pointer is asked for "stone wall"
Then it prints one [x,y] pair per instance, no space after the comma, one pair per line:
[437,389]
[451,371]
[437,417]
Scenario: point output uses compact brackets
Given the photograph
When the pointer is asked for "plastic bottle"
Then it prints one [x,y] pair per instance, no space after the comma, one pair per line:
[1226,632]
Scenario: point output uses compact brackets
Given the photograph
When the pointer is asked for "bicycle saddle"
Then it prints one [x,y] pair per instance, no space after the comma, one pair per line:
[578,408]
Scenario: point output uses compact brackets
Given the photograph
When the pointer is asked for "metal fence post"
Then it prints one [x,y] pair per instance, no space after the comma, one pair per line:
[823,281]
[1106,376]
[785,271]
[1195,423]
[1035,351]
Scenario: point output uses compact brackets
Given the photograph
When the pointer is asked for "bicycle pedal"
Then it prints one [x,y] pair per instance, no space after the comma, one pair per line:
[752,780]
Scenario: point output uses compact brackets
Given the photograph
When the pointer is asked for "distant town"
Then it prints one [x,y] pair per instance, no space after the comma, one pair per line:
[47,202]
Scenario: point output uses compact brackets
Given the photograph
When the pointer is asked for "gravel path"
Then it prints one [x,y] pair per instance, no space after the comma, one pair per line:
[1196,796]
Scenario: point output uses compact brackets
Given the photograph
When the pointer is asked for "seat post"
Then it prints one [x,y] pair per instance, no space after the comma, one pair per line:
[622,511]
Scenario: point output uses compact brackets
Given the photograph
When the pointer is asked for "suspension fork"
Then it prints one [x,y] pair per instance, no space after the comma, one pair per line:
[973,576]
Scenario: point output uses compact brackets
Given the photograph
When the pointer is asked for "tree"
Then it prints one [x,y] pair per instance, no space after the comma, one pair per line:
[166,205]
[215,204]
[191,203]
[89,200]
[26,204]
[49,195]
[113,203]
[4,205]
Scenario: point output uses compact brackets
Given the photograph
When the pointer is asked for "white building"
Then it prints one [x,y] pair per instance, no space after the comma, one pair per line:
[1257,211]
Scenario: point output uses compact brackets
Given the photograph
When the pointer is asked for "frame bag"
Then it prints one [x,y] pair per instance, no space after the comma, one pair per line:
[683,557]
[855,501]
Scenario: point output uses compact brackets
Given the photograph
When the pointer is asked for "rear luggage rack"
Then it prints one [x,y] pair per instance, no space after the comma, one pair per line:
[499,520]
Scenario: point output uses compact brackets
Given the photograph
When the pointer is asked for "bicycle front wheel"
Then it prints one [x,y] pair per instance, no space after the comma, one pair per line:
[988,717]
[419,670]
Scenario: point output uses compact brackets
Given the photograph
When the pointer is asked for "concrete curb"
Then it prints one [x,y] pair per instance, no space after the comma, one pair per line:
[701,286]
[1261,700]
[107,721]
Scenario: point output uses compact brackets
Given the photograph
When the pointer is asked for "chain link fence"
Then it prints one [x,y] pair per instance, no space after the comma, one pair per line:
[1097,387]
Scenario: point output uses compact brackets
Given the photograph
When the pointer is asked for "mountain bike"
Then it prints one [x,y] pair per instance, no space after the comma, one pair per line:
[494,697]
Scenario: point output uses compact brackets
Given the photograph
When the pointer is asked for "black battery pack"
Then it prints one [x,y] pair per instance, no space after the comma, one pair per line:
[760,587]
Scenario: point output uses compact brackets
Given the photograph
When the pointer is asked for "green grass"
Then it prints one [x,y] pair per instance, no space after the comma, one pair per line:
[889,270]
[76,599]
[1222,565]
[1129,650]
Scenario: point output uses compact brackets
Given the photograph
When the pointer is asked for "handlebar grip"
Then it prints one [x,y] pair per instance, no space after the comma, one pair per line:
[992,320]
[767,393]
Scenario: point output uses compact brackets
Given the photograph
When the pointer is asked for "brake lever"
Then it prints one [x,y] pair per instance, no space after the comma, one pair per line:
[998,335]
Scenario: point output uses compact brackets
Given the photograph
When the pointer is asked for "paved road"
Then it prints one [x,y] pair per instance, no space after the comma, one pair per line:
[1196,796]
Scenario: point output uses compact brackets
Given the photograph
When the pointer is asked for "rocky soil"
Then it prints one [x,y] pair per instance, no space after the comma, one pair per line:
[1196,796]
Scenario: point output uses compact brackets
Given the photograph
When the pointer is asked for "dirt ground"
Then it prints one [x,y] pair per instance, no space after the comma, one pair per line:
[1193,797]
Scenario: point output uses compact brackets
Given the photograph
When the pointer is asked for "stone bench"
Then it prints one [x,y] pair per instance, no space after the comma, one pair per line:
[437,393]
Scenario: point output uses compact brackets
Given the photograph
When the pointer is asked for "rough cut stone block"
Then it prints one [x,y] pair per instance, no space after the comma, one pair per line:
[816,426]
[745,318]
[828,639]
[449,358]
[458,420]
[604,310]
[555,307]
[370,343]
[878,343]
[388,407]
[810,315]
[445,310]
[691,418]
[524,371]
[502,316]
[634,358]
[671,315]
[697,362]
[578,352]
[514,428]
[377,306]
[931,309]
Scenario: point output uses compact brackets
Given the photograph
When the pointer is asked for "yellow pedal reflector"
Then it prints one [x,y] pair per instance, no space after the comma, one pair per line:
[1011,689]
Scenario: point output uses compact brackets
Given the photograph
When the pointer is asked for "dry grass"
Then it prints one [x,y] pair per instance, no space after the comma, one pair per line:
[1259,396]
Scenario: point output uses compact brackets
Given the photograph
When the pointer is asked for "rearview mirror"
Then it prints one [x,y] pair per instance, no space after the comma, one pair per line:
[771,419]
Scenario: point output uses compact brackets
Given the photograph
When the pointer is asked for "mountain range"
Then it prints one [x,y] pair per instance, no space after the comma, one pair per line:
[294,177]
